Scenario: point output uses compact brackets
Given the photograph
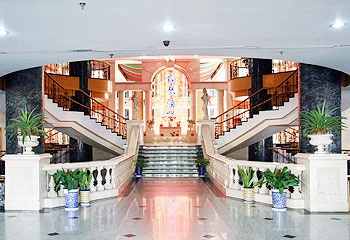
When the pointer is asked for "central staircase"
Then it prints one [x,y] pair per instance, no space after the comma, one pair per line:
[170,161]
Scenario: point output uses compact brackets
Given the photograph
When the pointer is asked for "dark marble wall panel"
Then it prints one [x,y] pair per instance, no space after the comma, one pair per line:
[23,88]
[81,69]
[81,153]
[258,67]
[316,85]
[260,151]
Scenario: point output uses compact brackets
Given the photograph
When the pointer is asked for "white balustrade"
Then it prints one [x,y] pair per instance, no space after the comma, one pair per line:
[226,174]
[108,177]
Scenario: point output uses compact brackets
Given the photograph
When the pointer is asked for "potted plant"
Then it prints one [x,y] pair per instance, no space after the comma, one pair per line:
[150,123]
[84,187]
[247,175]
[202,163]
[27,127]
[69,180]
[279,180]
[317,123]
[190,123]
[140,164]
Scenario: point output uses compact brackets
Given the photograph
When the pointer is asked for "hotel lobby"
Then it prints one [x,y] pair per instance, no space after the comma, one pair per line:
[133,76]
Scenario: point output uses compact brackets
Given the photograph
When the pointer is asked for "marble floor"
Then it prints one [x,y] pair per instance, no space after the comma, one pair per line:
[174,209]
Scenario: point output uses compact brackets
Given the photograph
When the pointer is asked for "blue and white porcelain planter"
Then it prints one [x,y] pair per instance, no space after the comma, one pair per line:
[138,171]
[201,171]
[279,201]
[71,200]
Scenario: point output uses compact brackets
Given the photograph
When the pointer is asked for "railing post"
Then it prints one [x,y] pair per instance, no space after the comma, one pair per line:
[325,182]
[25,181]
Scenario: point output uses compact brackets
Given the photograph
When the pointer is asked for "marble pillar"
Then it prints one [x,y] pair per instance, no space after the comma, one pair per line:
[258,67]
[23,88]
[82,152]
[317,84]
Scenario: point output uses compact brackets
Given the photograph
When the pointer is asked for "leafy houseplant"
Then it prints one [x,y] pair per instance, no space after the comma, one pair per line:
[279,180]
[140,164]
[202,163]
[318,121]
[84,186]
[69,180]
[85,180]
[247,175]
[27,124]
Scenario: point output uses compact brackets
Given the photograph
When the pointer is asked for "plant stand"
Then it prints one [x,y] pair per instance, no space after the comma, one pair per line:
[28,144]
[321,141]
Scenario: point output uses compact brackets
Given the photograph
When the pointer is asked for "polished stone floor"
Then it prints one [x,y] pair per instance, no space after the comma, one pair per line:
[174,209]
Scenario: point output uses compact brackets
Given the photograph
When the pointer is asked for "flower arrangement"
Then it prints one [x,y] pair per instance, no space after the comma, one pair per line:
[190,121]
[150,121]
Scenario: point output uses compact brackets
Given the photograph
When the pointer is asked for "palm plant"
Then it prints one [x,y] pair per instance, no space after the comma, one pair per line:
[279,179]
[247,175]
[27,124]
[318,121]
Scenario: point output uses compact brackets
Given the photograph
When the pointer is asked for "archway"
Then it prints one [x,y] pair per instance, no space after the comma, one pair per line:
[170,100]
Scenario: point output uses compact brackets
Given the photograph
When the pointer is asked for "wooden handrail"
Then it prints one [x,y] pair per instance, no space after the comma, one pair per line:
[103,115]
[242,111]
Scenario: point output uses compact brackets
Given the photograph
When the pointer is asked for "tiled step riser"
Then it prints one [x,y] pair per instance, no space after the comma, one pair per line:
[170,161]
[170,175]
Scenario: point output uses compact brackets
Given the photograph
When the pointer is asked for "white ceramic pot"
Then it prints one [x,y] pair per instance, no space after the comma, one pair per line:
[28,144]
[321,141]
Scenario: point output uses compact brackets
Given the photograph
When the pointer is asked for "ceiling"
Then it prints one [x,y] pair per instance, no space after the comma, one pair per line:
[42,32]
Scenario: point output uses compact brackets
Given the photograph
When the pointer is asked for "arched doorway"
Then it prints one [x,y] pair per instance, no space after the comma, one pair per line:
[170,100]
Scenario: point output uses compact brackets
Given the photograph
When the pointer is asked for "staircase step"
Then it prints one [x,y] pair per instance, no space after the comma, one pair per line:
[170,161]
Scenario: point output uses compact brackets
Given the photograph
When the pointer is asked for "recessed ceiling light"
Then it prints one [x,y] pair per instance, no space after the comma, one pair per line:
[338,25]
[168,27]
[3,32]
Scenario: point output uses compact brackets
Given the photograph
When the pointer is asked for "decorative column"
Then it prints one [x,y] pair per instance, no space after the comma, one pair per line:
[121,103]
[148,102]
[325,182]
[23,88]
[193,105]
[112,98]
[25,187]
[220,101]
[317,84]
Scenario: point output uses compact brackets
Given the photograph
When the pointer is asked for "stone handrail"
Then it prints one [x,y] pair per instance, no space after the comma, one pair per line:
[108,177]
[223,172]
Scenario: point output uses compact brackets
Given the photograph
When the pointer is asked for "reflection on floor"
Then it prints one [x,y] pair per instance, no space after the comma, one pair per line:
[174,209]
